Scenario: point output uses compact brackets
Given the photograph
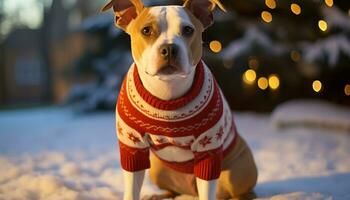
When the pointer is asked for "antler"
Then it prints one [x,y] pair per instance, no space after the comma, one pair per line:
[120,5]
[213,2]
[219,4]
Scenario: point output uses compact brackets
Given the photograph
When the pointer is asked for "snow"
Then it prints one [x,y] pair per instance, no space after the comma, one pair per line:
[101,21]
[253,37]
[329,48]
[336,18]
[312,113]
[54,153]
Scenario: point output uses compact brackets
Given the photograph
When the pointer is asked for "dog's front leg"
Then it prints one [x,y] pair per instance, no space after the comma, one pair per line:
[132,184]
[206,189]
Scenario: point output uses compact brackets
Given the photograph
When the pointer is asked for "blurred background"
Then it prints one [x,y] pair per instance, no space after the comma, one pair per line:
[262,52]
[283,65]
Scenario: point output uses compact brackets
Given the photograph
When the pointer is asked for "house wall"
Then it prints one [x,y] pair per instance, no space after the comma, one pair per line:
[23,74]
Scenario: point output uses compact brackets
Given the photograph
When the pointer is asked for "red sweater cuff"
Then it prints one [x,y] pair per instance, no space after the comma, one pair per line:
[208,166]
[133,159]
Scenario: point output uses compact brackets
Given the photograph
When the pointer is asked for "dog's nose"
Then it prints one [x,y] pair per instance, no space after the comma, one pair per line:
[168,51]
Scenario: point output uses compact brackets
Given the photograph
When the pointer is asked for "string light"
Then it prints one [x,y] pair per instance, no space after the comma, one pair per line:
[322,25]
[249,76]
[270,3]
[295,56]
[274,81]
[317,86]
[263,83]
[266,16]
[296,9]
[347,89]
[215,46]
[329,3]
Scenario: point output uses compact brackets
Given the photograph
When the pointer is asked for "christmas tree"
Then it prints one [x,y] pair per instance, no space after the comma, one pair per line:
[273,51]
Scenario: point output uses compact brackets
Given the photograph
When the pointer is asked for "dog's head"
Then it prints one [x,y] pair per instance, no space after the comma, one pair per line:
[166,41]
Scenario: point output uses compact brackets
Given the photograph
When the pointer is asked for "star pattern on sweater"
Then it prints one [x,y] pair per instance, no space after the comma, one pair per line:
[205,141]
[220,133]
[133,138]
[119,128]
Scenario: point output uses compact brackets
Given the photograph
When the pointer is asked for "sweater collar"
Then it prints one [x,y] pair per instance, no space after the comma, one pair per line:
[175,103]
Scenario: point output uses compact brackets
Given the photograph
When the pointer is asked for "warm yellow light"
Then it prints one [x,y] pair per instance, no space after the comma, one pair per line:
[274,82]
[296,9]
[266,16]
[254,63]
[317,86]
[263,83]
[322,25]
[295,56]
[270,3]
[215,46]
[249,76]
[329,2]
[347,89]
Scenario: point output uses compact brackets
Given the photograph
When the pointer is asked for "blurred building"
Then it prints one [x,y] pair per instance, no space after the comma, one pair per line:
[25,78]
[23,75]
[35,65]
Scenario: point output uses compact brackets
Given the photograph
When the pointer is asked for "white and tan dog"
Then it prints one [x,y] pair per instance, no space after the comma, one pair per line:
[167,46]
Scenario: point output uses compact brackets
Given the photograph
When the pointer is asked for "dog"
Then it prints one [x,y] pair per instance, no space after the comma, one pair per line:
[171,115]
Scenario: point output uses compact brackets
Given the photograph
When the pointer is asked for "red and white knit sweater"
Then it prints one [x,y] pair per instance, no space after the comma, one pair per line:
[198,126]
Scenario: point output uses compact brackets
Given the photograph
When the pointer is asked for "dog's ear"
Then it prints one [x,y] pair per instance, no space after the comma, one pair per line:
[203,10]
[125,11]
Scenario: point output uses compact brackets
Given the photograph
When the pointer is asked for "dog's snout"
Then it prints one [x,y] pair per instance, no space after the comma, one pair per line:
[168,51]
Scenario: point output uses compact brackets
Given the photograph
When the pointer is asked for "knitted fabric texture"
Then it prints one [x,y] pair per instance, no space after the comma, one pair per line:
[199,126]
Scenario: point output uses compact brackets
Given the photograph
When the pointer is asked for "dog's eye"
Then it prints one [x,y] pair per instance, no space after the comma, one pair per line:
[147,31]
[187,30]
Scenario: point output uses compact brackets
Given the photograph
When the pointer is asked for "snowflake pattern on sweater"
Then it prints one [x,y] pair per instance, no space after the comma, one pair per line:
[199,125]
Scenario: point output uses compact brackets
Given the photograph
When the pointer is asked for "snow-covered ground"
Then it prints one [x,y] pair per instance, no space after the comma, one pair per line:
[53,153]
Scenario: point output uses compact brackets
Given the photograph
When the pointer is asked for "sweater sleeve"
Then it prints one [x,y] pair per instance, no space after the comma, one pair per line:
[208,164]
[134,147]
[208,153]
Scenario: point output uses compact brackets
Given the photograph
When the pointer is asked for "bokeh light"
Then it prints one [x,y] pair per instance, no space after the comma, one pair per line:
[215,46]
[296,9]
[263,83]
[266,16]
[322,25]
[270,3]
[249,76]
[317,86]
[295,56]
[274,82]
[347,89]
[329,3]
